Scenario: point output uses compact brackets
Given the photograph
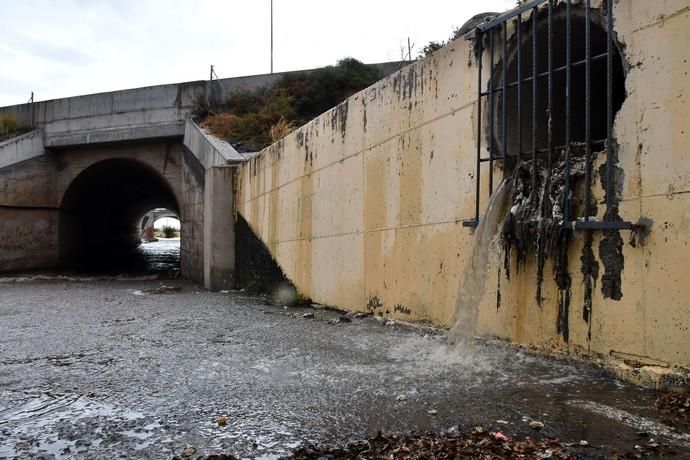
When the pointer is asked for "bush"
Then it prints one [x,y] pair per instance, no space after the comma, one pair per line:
[281,129]
[430,47]
[169,232]
[253,120]
[8,124]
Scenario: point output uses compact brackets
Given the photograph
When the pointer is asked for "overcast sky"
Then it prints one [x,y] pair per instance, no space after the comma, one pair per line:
[63,48]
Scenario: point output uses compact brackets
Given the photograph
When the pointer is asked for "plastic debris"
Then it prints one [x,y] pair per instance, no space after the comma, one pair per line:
[500,436]
[188,451]
[402,398]
[536,425]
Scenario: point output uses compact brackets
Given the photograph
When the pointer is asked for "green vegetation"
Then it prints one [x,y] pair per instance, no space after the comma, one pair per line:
[253,120]
[8,124]
[169,232]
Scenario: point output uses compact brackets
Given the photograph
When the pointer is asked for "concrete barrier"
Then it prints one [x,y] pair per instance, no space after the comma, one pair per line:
[21,148]
[208,149]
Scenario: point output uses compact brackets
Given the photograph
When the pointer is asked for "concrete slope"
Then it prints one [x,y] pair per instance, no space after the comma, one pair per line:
[21,148]
[208,149]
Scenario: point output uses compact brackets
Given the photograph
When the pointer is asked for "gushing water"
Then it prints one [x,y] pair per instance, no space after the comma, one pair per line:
[473,281]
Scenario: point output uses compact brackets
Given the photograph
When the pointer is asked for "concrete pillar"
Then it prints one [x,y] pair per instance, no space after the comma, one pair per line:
[219,229]
[148,227]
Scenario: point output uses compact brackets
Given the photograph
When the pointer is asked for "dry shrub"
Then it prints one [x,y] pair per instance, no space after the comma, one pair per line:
[220,124]
[281,129]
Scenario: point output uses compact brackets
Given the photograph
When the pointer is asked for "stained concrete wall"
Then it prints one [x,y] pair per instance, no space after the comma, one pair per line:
[362,207]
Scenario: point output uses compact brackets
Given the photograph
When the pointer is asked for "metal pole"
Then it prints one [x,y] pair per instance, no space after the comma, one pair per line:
[271,36]
[568,42]
[535,69]
[491,104]
[480,38]
[33,111]
[588,110]
[609,106]
[504,95]
[549,122]
[519,89]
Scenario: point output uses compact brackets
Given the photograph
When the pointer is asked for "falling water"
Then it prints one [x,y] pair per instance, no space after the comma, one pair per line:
[473,281]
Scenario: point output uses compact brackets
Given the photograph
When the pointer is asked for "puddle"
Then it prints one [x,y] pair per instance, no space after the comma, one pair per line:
[48,424]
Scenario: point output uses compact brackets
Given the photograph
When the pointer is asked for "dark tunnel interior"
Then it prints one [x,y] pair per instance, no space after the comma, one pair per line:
[100,214]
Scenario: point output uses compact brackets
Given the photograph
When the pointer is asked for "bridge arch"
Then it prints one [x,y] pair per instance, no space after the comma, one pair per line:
[102,207]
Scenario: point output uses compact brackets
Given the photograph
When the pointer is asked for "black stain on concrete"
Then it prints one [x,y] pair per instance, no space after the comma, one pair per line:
[339,117]
[195,168]
[534,226]
[611,253]
[498,289]
[374,304]
[399,308]
[611,245]
[638,237]
[590,273]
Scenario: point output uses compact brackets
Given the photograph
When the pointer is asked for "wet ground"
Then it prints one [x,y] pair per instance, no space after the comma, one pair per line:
[126,369]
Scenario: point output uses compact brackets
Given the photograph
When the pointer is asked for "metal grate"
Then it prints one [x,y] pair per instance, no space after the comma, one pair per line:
[514,151]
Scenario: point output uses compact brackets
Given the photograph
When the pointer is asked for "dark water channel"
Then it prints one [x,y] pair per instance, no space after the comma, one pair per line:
[160,257]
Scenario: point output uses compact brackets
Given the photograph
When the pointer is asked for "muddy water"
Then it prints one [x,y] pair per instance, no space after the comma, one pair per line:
[122,369]
[473,280]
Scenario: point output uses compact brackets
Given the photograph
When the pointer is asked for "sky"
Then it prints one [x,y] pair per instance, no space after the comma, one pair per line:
[60,48]
[167,222]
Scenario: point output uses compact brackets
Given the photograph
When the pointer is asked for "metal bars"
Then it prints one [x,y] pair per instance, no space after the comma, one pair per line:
[535,70]
[568,110]
[491,107]
[556,121]
[609,104]
[588,112]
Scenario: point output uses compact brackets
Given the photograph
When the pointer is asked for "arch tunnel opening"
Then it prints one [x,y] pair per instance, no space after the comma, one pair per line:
[100,220]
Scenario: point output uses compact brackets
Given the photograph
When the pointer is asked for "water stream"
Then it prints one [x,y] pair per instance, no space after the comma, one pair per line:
[473,280]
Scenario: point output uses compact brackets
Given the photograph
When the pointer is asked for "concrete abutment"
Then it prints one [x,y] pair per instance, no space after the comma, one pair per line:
[219,229]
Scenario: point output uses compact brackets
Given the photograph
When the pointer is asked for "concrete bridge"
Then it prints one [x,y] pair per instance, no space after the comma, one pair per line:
[80,181]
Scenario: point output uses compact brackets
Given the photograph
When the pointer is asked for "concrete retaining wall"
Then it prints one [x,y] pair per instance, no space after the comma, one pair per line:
[21,148]
[362,207]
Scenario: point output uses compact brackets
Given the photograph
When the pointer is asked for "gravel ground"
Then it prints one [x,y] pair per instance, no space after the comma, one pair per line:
[127,369]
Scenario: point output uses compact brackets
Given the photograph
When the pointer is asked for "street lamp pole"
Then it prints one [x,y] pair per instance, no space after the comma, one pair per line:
[271,36]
